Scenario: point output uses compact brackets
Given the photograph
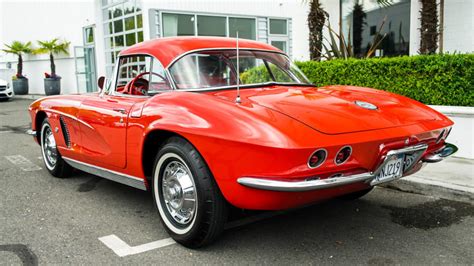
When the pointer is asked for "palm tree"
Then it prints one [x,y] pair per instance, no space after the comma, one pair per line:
[316,20]
[53,47]
[429,27]
[358,23]
[18,48]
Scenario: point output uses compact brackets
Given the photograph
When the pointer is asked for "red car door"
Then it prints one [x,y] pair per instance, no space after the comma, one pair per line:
[104,129]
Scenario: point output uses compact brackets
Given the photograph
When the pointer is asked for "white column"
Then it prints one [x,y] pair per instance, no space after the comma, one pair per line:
[99,40]
[415,26]
[332,7]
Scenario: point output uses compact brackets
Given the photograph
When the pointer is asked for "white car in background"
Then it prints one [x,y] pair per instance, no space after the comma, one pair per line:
[6,90]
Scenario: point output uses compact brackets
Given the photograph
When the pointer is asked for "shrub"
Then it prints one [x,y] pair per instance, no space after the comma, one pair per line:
[431,79]
[259,74]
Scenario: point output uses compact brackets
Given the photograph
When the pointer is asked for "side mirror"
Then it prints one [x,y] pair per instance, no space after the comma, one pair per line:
[101,82]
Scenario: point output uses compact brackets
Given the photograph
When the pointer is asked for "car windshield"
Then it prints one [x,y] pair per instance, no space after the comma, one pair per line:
[217,68]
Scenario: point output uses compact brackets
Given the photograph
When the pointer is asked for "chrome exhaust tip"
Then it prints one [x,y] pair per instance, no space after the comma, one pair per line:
[437,156]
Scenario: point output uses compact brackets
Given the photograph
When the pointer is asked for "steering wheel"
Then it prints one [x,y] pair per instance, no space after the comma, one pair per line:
[139,85]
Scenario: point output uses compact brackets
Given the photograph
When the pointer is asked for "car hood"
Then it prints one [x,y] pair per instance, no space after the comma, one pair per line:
[332,109]
[3,82]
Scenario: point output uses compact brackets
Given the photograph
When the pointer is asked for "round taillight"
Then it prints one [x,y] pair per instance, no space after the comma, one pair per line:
[343,155]
[441,135]
[317,158]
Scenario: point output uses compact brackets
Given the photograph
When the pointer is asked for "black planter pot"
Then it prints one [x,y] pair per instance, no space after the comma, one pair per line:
[52,86]
[20,86]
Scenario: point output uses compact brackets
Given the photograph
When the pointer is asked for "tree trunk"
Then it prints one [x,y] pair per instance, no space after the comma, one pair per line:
[429,27]
[19,67]
[358,23]
[316,19]
[53,67]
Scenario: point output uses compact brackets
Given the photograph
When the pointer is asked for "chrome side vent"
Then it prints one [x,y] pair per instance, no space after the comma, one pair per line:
[65,130]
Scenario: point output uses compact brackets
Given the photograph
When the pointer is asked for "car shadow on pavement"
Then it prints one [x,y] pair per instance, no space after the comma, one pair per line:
[374,225]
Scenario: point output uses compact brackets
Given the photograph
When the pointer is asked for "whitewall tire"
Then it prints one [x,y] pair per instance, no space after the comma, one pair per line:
[189,202]
[52,159]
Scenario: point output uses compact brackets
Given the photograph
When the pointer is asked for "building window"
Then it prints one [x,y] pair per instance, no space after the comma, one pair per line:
[130,67]
[178,25]
[123,27]
[245,27]
[373,30]
[362,20]
[207,25]
[89,35]
[280,45]
[211,26]
[278,26]
[276,31]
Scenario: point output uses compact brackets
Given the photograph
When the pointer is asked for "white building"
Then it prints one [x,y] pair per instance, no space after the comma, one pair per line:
[99,29]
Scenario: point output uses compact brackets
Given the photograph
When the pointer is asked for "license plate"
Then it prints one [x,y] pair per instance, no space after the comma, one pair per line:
[393,169]
[409,160]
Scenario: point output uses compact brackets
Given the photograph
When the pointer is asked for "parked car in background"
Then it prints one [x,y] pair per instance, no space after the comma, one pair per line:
[6,90]
[204,124]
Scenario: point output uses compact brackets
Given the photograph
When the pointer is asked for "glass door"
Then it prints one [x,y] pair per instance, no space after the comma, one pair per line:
[85,69]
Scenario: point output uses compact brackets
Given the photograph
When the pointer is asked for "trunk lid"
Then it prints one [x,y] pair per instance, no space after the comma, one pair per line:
[332,109]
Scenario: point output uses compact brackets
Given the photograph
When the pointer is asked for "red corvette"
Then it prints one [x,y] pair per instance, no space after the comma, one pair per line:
[207,122]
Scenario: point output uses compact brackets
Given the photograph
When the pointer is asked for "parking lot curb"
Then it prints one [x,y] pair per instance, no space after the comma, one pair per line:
[426,187]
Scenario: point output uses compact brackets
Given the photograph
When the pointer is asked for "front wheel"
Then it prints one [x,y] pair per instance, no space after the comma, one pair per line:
[51,156]
[189,202]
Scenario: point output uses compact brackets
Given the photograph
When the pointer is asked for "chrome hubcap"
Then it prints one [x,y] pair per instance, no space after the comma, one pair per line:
[49,147]
[179,192]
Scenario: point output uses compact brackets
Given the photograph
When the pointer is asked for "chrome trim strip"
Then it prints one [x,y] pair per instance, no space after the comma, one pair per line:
[298,186]
[222,49]
[70,116]
[244,86]
[439,155]
[107,174]
[31,132]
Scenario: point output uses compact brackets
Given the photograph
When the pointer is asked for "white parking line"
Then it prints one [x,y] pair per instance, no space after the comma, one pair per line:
[122,249]
[23,163]
[6,131]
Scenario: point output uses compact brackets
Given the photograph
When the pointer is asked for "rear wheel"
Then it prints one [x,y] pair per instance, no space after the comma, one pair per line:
[51,156]
[189,202]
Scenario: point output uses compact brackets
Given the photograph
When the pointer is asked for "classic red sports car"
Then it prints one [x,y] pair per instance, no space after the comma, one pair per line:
[205,122]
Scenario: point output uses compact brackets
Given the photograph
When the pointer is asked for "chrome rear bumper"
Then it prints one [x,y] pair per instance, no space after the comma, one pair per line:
[298,186]
[368,177]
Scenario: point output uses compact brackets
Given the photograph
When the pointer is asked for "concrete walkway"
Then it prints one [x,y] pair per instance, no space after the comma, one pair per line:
[453,178]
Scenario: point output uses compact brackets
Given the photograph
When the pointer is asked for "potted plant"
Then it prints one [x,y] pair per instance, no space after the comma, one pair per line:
[19,82]
[52,82]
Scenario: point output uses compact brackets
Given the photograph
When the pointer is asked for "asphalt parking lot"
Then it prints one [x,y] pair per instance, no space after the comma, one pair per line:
[45,220]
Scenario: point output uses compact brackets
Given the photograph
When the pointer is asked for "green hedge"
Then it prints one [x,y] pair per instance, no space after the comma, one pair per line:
[433,79]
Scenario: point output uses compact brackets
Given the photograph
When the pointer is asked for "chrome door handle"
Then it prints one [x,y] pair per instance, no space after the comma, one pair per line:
[120,110]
